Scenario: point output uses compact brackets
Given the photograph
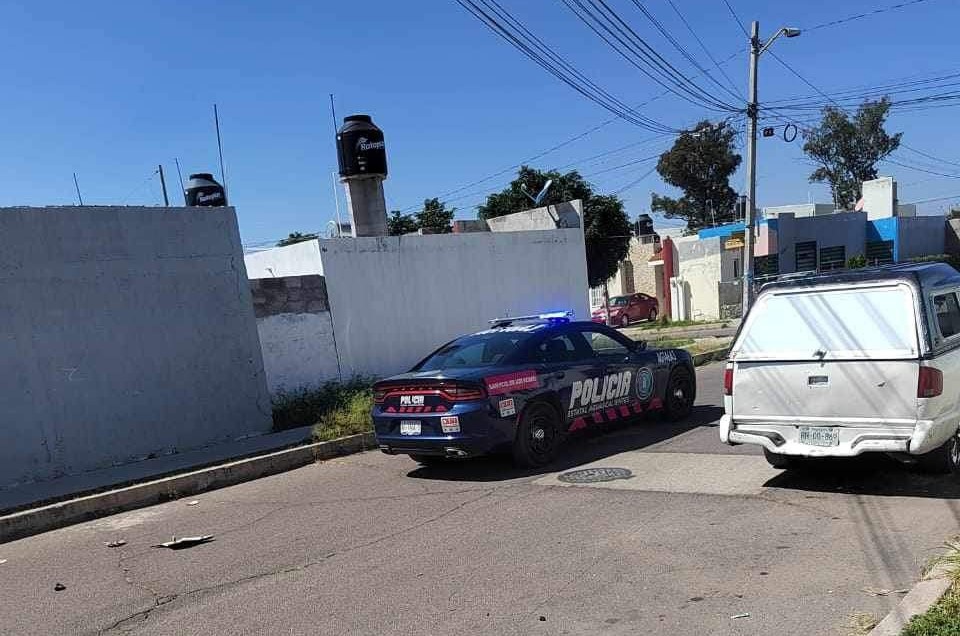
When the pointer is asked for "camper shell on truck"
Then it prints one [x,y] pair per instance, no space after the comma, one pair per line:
[853,362]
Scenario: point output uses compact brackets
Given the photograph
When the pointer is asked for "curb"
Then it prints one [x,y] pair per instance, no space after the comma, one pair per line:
[700,359]
[918,600]
[57,515]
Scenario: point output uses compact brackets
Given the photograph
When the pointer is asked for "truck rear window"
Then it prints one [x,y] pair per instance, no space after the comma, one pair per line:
[869,322]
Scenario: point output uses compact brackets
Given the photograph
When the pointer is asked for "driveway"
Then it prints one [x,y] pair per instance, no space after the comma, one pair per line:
[371,544]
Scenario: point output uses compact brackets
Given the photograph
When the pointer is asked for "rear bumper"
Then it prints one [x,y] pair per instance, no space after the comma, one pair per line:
[914,438]
[481,432]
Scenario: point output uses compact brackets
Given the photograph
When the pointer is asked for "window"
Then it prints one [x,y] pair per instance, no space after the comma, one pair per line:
[948,314]
[879,252]
[618,301]
[833,258]
[736,268]
[806,255]
[768,265]
[562,348]
[606,346]
[477,350]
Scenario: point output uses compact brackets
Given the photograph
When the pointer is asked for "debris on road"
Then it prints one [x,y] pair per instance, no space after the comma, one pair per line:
[543,618]
[115,544]
[59,587]
[883,592]
[185,542]
[743,615]
[2,561]
[193,503]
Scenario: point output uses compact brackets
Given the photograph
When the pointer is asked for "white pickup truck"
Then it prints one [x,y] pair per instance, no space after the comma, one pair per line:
[842,364]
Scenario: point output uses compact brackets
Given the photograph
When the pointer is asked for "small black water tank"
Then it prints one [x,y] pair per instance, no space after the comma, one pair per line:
[204,191]
[360,147]
[644,225]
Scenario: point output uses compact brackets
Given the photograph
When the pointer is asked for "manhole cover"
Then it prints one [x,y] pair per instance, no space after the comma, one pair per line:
[594,475]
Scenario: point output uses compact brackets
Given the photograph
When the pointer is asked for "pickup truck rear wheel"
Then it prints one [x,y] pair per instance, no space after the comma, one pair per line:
[538,436]
[781,461]
[944,460]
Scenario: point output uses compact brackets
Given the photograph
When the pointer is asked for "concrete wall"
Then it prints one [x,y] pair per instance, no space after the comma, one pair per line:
[565,215]
[700,263]
[299,259]
[126,332]
[296,332]
[951,242]
[920,236]
[846,228]
[880,198]
[634,274]
[395,299]
[799,210]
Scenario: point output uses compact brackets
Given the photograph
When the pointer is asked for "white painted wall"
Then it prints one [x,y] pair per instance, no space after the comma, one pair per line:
[700,266]
[299,259]
[568,214]
[395,299]
[298,350]
[880,198]
[799,210]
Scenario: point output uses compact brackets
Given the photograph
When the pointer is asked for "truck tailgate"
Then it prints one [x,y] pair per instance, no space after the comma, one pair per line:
[832,392]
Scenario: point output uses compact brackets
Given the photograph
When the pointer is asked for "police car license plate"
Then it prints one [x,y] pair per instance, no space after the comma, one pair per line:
[820,435]
[410,427]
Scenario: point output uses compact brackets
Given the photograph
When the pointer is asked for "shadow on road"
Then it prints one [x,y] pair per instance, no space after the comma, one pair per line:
[582,448]
[871,474]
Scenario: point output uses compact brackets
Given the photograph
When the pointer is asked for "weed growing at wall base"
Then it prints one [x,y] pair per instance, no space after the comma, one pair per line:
[333,409]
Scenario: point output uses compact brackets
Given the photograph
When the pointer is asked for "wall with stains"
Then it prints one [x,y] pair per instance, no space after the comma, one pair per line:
[394,299]
[126,332]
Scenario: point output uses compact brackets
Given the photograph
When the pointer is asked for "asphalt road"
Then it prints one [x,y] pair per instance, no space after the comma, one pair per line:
[371,544]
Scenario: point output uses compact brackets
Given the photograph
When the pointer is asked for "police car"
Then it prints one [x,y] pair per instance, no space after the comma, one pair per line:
[523,385]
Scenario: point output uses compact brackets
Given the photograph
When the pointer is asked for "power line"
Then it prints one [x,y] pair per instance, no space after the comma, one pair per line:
[900,5]
[737,18]
[702,45]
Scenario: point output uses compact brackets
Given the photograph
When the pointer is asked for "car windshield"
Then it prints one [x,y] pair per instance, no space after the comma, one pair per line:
[619,301]
[478,350]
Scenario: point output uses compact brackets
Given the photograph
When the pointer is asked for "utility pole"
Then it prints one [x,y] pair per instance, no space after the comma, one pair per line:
[163,186]
[76,184]
[753,110]
[749,215]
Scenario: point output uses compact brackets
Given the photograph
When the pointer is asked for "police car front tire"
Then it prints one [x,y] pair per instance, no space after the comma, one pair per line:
[538,436]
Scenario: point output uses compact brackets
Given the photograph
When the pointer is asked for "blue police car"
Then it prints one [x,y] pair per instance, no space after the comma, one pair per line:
[524,384]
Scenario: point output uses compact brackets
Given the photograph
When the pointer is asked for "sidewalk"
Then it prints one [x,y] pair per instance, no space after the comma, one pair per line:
[693,331]
[32,495]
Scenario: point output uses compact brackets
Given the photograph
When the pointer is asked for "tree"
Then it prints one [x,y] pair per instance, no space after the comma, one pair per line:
[848,150]
[398,223]
[296,237]
[606,228]
[700,164]
[435,218]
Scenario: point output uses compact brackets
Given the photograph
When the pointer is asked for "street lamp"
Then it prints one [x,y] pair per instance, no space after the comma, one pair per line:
[757,47]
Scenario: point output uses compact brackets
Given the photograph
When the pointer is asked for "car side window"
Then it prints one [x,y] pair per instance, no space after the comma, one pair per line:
[568,347]
[948,314]
[606,346]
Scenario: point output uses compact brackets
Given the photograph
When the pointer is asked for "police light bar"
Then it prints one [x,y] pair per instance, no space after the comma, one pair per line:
[552,316]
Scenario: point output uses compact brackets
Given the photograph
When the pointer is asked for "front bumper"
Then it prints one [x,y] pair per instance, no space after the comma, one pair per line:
[914,438]
[481,431]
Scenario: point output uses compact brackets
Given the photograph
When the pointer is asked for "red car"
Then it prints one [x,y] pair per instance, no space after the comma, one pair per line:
[625,310]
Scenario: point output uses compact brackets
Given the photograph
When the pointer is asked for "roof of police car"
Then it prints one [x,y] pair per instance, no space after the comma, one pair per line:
[924,274]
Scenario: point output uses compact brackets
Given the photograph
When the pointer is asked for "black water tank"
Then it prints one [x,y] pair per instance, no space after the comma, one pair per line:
[644,225]
[203,190]
[360,147]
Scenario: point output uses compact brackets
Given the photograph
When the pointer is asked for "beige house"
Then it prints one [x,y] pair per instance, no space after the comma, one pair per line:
[636,274]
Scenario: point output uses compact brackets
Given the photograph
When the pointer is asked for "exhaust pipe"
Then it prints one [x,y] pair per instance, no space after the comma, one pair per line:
[455,452]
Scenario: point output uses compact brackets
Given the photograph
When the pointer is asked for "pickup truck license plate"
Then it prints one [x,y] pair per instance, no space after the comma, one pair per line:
[410,427]
[820,435]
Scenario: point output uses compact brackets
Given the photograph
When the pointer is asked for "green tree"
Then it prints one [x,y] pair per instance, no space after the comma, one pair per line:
[848,150]
[398,223]
[700,164]
[857,261]
[296,237]
[435,218]
[605,224]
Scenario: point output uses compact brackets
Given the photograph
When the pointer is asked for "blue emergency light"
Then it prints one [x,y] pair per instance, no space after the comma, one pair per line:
[553,317]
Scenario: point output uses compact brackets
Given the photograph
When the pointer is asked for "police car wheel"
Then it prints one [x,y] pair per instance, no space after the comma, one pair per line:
[538,436]
[678,401]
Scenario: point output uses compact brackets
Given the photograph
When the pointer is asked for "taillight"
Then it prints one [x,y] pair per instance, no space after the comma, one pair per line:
[379,395]
[728,381]
[930,382]
[460,392]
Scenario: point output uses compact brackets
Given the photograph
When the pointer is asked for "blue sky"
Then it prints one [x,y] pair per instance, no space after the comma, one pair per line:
[109,90]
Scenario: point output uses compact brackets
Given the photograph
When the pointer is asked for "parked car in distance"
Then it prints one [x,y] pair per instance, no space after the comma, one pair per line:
[849,363]
[626,310]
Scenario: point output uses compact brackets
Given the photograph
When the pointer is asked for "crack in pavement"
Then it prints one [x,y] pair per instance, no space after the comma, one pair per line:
[139,617]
